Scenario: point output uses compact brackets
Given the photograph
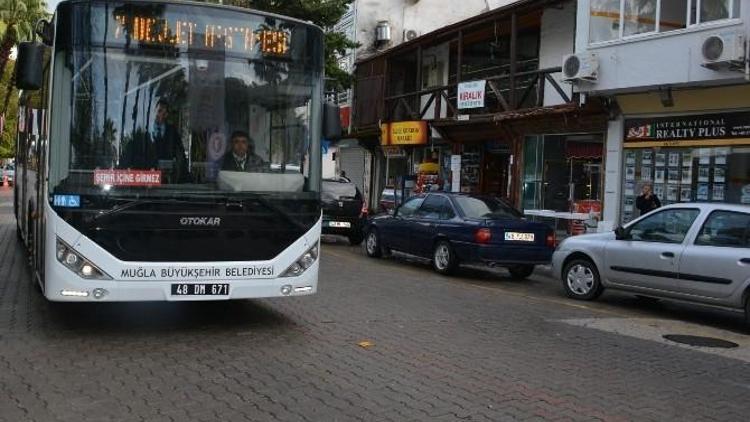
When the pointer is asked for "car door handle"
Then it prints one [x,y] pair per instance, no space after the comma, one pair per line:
[745,261]
[667,254]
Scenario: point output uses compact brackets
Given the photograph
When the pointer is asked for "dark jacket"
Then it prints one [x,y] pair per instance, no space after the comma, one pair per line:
[253,163]
[147,150]
[647,205]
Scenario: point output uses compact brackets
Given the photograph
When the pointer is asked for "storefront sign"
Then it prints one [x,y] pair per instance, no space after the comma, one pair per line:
[679,130]
[394,152]
[471,94]
[404,133]
[127,177]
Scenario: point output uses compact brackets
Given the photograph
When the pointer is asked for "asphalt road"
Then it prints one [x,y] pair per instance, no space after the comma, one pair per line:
[383,340]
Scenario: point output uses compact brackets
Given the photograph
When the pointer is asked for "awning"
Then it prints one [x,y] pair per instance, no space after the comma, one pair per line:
[583,150]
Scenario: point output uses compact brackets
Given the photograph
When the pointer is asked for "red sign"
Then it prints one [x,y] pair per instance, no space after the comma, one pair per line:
[346,116]
[127,177]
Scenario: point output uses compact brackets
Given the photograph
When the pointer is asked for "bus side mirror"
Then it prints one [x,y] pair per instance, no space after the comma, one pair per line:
[331,121]
[29,66]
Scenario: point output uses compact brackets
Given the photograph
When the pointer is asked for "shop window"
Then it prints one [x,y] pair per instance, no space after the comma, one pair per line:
[711,174]
[562,173]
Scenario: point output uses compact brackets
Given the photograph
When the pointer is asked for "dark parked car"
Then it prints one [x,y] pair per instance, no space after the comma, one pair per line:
[451,229]
[344,209]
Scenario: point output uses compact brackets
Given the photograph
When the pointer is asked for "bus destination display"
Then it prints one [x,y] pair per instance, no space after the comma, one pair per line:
[173,31]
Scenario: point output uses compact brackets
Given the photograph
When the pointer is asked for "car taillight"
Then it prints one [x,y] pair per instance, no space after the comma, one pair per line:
[551,241]
[482,236]
[364,211]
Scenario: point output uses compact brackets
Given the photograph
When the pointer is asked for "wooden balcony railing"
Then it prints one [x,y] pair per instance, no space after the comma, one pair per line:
[525,90]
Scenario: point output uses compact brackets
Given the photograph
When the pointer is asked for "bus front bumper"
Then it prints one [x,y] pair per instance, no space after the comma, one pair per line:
[71,289]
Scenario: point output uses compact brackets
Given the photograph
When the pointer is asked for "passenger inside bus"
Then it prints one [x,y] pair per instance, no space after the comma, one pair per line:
[159,148]
[242,157]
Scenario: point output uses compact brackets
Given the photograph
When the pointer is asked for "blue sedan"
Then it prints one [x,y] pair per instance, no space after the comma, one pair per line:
[452,228]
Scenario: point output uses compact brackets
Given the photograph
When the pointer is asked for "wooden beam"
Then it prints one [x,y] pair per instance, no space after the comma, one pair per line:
[513,54]
[459,60]
[499,95]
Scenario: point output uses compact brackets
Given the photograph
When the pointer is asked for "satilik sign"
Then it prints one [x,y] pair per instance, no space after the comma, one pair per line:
[471,94]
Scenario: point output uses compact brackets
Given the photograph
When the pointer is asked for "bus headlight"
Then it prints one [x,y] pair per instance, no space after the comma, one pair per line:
[77,263]
[303,263]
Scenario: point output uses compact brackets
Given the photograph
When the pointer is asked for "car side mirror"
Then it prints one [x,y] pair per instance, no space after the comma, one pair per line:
[621,233]
[29,65]
[331,121]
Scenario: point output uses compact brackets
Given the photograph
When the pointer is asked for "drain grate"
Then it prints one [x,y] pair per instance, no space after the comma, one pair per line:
[701,341]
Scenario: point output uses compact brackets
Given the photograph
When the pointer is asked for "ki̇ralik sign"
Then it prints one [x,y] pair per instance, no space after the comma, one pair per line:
[713,129]
[471,94]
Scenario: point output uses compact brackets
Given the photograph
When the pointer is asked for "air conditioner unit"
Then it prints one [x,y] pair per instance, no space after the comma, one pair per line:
[580,67]
[723,50]
[410,34]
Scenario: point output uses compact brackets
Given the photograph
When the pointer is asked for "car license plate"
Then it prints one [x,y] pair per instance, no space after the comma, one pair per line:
[519,237]
[340,224]
[187,289]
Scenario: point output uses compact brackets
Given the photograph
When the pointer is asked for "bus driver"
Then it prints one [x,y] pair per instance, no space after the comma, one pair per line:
[242,155]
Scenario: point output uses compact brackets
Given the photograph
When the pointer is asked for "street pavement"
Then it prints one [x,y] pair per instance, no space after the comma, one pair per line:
[383,340]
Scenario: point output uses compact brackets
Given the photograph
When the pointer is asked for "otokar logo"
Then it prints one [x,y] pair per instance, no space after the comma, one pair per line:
[200,221]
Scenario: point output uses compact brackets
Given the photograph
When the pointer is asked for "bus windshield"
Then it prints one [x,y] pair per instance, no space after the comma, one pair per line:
[158,99]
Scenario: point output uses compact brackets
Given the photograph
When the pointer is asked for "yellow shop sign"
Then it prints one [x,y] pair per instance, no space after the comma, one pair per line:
[404,133]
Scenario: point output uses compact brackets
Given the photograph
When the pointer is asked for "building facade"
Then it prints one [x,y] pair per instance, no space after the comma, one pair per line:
[378,26]
[674,75]
[480,106]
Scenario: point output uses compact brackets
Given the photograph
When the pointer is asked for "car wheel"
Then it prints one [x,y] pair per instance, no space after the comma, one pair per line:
[356,239]
[372,244]
[747,313]
[581,280]
[521,271]
[444,259]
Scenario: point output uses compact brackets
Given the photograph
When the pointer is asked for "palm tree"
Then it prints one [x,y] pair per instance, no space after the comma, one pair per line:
[19,17]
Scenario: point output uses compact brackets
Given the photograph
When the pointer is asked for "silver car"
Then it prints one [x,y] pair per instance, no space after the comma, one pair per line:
[694,252]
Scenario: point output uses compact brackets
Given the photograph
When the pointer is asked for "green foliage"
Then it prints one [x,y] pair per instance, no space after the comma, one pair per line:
[8,135]
[17,20]
[324,13]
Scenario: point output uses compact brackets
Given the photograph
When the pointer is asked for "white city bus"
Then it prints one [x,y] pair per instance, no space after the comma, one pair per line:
[125,130]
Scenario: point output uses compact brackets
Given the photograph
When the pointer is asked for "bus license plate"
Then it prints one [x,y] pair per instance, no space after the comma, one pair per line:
[519,237]
[186,289]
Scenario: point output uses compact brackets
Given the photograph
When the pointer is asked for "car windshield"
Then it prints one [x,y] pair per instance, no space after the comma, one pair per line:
[183,99]
[486,207]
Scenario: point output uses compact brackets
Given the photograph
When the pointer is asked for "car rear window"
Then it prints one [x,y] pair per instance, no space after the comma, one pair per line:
[334,191]
[486,207]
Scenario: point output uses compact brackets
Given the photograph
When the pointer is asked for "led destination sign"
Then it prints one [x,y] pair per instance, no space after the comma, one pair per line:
[201,34]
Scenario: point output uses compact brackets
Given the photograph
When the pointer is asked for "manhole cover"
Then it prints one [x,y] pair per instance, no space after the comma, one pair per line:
[701,341]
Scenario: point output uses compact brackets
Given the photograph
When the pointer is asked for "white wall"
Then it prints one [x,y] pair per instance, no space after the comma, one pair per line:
[557,40]
[669,58]
[422,16]
[613,175]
